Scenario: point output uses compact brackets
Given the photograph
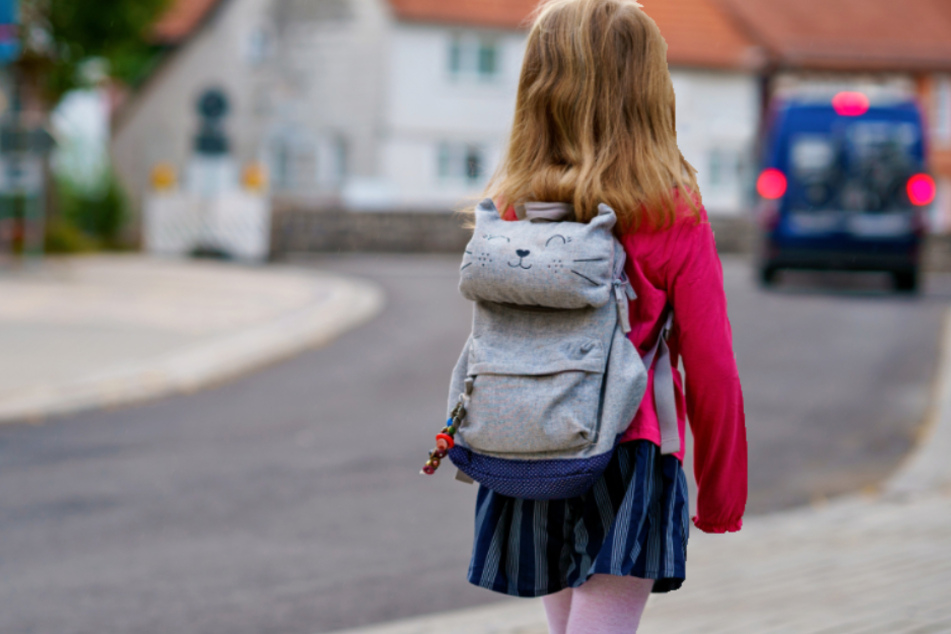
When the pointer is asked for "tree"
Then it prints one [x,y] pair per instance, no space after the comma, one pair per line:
[59,36]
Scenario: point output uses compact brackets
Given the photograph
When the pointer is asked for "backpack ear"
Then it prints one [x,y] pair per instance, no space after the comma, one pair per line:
[606,218]
[486,212]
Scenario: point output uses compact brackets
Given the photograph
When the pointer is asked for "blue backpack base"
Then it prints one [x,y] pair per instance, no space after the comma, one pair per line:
[531,479]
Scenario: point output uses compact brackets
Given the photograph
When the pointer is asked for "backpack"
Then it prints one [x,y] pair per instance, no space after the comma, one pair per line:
[548,380]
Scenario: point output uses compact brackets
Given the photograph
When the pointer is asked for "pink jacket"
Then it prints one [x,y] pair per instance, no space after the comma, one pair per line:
[679,267]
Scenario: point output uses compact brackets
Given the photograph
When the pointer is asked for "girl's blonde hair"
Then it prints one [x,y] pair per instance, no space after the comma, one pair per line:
[594,118]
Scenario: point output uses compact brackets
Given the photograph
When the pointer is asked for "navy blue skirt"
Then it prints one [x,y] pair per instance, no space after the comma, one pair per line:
[633,522]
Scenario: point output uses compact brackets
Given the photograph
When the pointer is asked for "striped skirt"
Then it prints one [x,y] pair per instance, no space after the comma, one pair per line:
[633,522]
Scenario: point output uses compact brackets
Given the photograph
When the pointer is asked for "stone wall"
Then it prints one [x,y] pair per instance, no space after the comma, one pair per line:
[302,231]
[298,230]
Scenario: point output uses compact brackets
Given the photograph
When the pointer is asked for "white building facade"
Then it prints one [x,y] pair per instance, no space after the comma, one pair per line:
[350,106]
[447,112]
[718,115]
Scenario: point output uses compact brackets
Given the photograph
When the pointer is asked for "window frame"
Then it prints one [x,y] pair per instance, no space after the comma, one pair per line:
[454,159]
[474,56]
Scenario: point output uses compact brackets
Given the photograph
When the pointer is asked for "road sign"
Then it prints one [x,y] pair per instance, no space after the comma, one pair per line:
[19,139]
[9,31]
[213,104]
[21,174]
[21,158]
[211,139]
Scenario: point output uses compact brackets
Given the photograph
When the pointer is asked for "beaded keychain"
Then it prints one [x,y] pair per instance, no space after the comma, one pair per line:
[444,440]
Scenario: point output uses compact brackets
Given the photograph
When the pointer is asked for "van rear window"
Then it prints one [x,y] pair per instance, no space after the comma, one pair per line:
[863,166]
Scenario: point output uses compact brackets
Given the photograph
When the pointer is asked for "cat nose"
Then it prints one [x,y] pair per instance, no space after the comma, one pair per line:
[522,253]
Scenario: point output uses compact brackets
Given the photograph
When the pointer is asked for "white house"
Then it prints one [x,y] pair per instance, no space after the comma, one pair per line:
[406,104]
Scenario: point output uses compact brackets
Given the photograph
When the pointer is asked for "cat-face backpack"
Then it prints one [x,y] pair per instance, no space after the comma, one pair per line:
[548,381]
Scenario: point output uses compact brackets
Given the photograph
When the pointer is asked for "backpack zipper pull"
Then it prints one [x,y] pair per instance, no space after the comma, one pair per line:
[623,293]
[445,439]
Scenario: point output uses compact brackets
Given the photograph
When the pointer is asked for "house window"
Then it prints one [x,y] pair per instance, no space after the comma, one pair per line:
[942,109]
[294,164]
[475,56]
[258,46]
[461,162]
[331,161]
[724,168]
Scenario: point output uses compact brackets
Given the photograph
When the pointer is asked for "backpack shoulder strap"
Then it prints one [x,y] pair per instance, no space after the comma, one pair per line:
[665,400]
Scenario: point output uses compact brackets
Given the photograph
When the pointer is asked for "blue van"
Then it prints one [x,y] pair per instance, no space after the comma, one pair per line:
[844,185]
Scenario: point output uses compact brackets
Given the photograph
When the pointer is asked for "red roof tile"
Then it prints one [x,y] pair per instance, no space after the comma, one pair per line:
[181,20]
[850,34]
[509,14]
[698,32]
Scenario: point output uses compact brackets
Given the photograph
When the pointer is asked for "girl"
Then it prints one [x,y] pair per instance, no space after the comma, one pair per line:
[594,122]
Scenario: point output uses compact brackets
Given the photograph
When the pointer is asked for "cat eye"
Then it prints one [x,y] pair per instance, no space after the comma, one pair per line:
[557,235]
[490,238]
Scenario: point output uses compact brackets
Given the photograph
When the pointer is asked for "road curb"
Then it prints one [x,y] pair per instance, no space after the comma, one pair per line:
[347,304]
[928,468]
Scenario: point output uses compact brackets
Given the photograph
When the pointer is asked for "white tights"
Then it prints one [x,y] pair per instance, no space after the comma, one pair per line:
[604,604]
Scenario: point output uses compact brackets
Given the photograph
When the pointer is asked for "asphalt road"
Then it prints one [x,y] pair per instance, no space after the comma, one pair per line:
[289,502]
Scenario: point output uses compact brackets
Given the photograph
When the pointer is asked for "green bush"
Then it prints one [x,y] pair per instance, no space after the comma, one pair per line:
[98,215]
[64,238]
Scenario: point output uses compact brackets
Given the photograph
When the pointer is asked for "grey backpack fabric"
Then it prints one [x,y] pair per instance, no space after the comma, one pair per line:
[548,378]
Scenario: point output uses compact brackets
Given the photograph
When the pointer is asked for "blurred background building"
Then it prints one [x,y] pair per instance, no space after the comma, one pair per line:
[404,105]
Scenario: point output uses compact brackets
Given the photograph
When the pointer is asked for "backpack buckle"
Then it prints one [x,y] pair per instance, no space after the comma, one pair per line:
[668,326]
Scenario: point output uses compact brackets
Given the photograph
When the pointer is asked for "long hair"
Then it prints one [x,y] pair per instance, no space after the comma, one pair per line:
[595,118]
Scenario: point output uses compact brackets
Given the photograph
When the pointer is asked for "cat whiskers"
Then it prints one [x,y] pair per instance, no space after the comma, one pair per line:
[585,277]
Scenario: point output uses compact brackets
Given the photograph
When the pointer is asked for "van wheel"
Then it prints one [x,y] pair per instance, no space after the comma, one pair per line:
[906,281]
[767,275]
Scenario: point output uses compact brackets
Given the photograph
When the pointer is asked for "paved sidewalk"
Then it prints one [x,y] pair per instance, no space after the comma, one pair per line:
[878,562]
[102,331]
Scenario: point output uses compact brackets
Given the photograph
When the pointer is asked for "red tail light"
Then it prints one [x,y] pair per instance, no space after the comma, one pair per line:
[771,184]
[921,190]
[850,104]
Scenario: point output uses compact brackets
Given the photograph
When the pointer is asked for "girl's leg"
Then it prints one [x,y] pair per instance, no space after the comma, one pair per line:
[557,606]
[606,604]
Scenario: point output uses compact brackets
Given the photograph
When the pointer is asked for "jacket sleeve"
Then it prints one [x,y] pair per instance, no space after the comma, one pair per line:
[713,395]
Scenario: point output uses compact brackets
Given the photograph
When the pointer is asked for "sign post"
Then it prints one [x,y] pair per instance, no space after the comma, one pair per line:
[23,151]
[22,222]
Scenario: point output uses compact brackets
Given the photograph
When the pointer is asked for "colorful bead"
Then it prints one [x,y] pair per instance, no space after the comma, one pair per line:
[428,469]
[440,453]
[434,461]
[445,441]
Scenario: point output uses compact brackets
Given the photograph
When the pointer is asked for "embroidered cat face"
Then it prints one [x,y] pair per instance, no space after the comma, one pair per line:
[555,264]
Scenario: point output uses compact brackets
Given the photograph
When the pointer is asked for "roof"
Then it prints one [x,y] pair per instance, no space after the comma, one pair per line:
[850,35]
[506,14]
[181,19]
[698,32]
